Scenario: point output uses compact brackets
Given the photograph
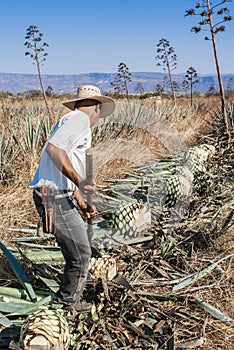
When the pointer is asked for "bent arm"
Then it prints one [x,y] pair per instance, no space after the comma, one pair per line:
[61,160]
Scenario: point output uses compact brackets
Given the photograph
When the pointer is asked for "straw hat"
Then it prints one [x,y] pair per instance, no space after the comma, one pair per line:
[92,93]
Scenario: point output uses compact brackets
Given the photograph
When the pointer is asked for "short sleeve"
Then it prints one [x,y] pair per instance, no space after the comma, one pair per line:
[72,129]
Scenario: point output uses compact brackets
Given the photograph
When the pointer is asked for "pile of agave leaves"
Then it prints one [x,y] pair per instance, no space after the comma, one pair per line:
[175,290]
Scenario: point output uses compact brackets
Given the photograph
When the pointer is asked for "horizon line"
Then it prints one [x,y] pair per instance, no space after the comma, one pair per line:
[152,72]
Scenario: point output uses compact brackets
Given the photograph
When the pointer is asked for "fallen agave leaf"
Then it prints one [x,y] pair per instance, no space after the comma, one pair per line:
[216,313]
[23,230]
[14,301]
[37,246]
[51,283]
[31,238]
[19,272]
[32,308]
[4,321]
[14,292]
[40,256]
[197,276]
[10,308]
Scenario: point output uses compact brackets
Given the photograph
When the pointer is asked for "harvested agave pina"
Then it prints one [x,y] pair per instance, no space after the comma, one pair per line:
[196,158]
[127,219]
[45,329]
[178,186]
[104,267]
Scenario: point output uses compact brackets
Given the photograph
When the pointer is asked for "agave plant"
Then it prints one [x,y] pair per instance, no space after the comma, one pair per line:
[7,156]
[45,328]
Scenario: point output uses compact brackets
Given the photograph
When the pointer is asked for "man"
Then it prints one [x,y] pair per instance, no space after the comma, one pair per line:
[61,176]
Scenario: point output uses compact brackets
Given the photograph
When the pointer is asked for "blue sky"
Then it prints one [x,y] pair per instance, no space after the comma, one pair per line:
[96,35]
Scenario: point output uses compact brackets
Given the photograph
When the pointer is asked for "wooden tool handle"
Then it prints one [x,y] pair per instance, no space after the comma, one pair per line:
[89,174]
[89,178]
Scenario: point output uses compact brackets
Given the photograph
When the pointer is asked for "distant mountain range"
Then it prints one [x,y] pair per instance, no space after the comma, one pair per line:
[68,83]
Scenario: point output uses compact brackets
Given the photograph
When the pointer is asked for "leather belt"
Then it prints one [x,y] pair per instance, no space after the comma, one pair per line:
[57,194]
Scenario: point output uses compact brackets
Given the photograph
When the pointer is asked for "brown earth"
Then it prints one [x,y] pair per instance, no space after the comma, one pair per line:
[209,224]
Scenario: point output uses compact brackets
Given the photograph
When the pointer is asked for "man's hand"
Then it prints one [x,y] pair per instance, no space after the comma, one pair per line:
[91,212]
[85,210]
[86,188]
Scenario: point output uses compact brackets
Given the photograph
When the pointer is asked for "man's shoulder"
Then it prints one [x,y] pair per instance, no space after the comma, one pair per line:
[73,115]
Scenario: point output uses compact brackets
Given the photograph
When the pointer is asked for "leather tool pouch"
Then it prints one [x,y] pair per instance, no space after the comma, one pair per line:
[48,200]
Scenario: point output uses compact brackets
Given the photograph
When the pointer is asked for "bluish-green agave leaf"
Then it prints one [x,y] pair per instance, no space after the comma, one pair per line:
[29,309]
[23,230]
[8,308]
[4,321]
[19,272]
[50,283]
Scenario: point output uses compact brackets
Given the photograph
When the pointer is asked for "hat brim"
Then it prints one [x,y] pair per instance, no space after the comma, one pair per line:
[108,104]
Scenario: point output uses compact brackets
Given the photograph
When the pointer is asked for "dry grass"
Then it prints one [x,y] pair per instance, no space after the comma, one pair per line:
[211,235]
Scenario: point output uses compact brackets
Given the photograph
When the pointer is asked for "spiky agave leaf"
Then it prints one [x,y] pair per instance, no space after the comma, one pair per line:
[14,292]
[44,256]
[194,277]
[14,306]
[51,283]
[20,294]
[19,272]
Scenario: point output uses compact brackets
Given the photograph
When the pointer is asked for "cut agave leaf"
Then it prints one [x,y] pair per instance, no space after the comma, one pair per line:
[27,310]
[23,230]
[33,238]
[38,246]
[21,294]
[40,256]
[195,277]
[19,272]
[14,292]
[4,321]
[216,313]
[14,301]
[50,283]
[10,308]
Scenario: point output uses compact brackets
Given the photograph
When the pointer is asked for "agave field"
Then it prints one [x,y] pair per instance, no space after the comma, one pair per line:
[161,274]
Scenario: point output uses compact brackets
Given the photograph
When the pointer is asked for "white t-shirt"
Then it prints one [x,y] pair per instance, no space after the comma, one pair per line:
[72,133]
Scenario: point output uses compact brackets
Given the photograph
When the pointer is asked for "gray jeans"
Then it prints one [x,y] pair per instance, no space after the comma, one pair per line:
[72,238]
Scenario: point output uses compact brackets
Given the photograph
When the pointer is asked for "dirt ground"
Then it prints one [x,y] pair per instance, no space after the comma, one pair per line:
[210,224]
